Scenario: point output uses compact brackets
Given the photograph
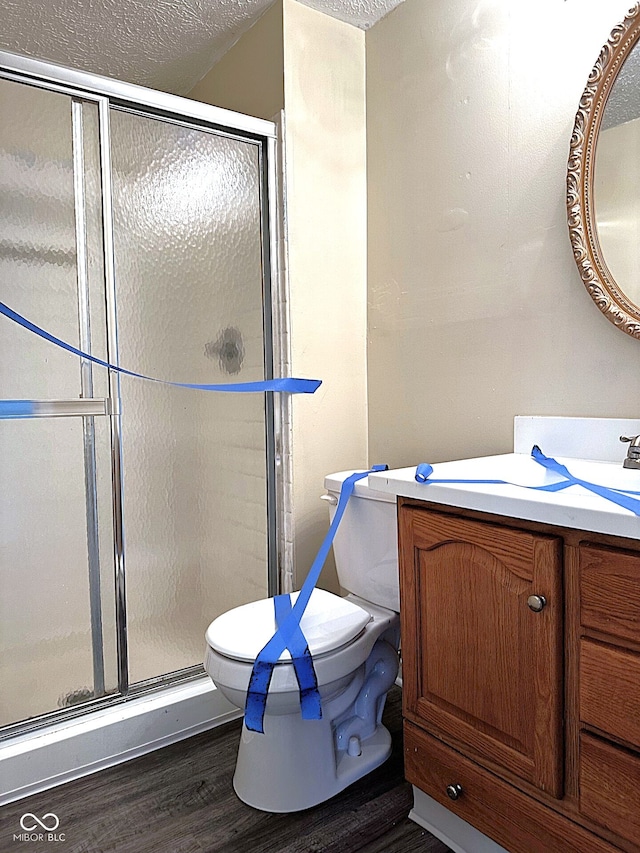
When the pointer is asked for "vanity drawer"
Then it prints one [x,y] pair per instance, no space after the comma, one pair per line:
[610,591]
[610,787]
[515,820]
[610,690]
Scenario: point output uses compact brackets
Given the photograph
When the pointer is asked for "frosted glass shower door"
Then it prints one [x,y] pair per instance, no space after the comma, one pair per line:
[189,298]
[136,228]
[57,633]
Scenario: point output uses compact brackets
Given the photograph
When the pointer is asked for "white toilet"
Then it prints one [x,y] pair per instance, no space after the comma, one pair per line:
[354,642]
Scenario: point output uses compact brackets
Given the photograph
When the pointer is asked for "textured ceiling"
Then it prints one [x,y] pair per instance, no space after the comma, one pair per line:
[165,44]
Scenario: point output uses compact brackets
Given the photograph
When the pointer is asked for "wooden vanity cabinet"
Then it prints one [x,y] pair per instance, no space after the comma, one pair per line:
[609,689]
[488,668]
[521,677]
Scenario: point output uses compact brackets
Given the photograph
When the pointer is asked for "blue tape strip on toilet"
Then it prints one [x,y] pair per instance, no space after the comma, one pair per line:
[621,497]
[289,634]
[310,707]
[24,409]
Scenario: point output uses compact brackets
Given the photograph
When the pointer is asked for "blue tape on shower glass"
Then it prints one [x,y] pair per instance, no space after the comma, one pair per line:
[287,385]
[16,409]
[621,497]
[289,633]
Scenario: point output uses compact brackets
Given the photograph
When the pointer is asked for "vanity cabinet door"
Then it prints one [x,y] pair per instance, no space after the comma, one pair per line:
[481,669]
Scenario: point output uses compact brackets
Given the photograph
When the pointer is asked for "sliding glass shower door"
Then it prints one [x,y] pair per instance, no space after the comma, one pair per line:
[55,470]
[188,264]
[132,512]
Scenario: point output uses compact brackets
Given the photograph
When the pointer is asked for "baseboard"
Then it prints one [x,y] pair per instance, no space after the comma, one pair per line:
[456,833]
[40,760]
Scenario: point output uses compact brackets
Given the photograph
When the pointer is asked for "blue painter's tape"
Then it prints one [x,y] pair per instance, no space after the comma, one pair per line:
[16,409]
[310,706]
[423,472]
[614,495]
[286,385]
[621,497]
[289,625]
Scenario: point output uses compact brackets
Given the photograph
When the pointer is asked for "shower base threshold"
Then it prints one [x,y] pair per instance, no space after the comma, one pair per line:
[39,760]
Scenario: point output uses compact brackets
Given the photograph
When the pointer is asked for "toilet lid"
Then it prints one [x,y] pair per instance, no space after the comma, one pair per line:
[328,623]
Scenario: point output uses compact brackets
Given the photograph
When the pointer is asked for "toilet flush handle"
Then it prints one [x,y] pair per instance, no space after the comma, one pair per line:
[330,499]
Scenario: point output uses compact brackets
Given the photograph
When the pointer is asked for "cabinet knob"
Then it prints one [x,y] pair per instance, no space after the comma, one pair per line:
[454,791]
[536,603]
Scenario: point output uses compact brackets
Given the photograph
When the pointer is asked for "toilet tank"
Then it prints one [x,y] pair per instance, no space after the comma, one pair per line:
[366,542]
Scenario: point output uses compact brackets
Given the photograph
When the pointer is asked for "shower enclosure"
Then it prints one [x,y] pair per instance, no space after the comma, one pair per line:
[139,228]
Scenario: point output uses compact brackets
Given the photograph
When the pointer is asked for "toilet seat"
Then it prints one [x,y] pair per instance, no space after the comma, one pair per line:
[329,622]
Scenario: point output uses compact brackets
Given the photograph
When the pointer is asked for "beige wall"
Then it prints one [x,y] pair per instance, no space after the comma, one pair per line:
[249,76]
[324,72]
[477,312]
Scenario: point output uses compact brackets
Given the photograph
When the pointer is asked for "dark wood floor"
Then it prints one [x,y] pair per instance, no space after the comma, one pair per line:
[180,800]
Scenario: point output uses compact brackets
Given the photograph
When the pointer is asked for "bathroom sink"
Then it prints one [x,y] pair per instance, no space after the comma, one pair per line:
[575,506]
[522,470]
[603,474]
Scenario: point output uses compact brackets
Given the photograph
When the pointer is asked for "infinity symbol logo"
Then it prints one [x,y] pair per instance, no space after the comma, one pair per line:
[30,827]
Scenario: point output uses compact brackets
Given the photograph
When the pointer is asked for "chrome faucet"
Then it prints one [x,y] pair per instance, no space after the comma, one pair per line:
[633,451]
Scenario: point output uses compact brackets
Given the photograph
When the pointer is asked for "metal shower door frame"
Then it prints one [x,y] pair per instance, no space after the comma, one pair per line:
[107,94]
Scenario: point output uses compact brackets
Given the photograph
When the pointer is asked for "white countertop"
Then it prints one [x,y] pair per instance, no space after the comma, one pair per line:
[574,507]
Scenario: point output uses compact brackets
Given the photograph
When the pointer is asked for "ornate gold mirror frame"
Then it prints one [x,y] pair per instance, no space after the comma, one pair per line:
[595,274]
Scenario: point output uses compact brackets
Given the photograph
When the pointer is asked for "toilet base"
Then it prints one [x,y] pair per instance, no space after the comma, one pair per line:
[293,766]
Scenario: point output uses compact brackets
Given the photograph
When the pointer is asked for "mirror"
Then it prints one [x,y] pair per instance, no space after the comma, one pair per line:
[603,179]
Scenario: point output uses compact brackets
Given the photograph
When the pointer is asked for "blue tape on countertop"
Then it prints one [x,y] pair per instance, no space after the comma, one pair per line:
[616,496]
[621,497]
[286,385]
[289,634]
